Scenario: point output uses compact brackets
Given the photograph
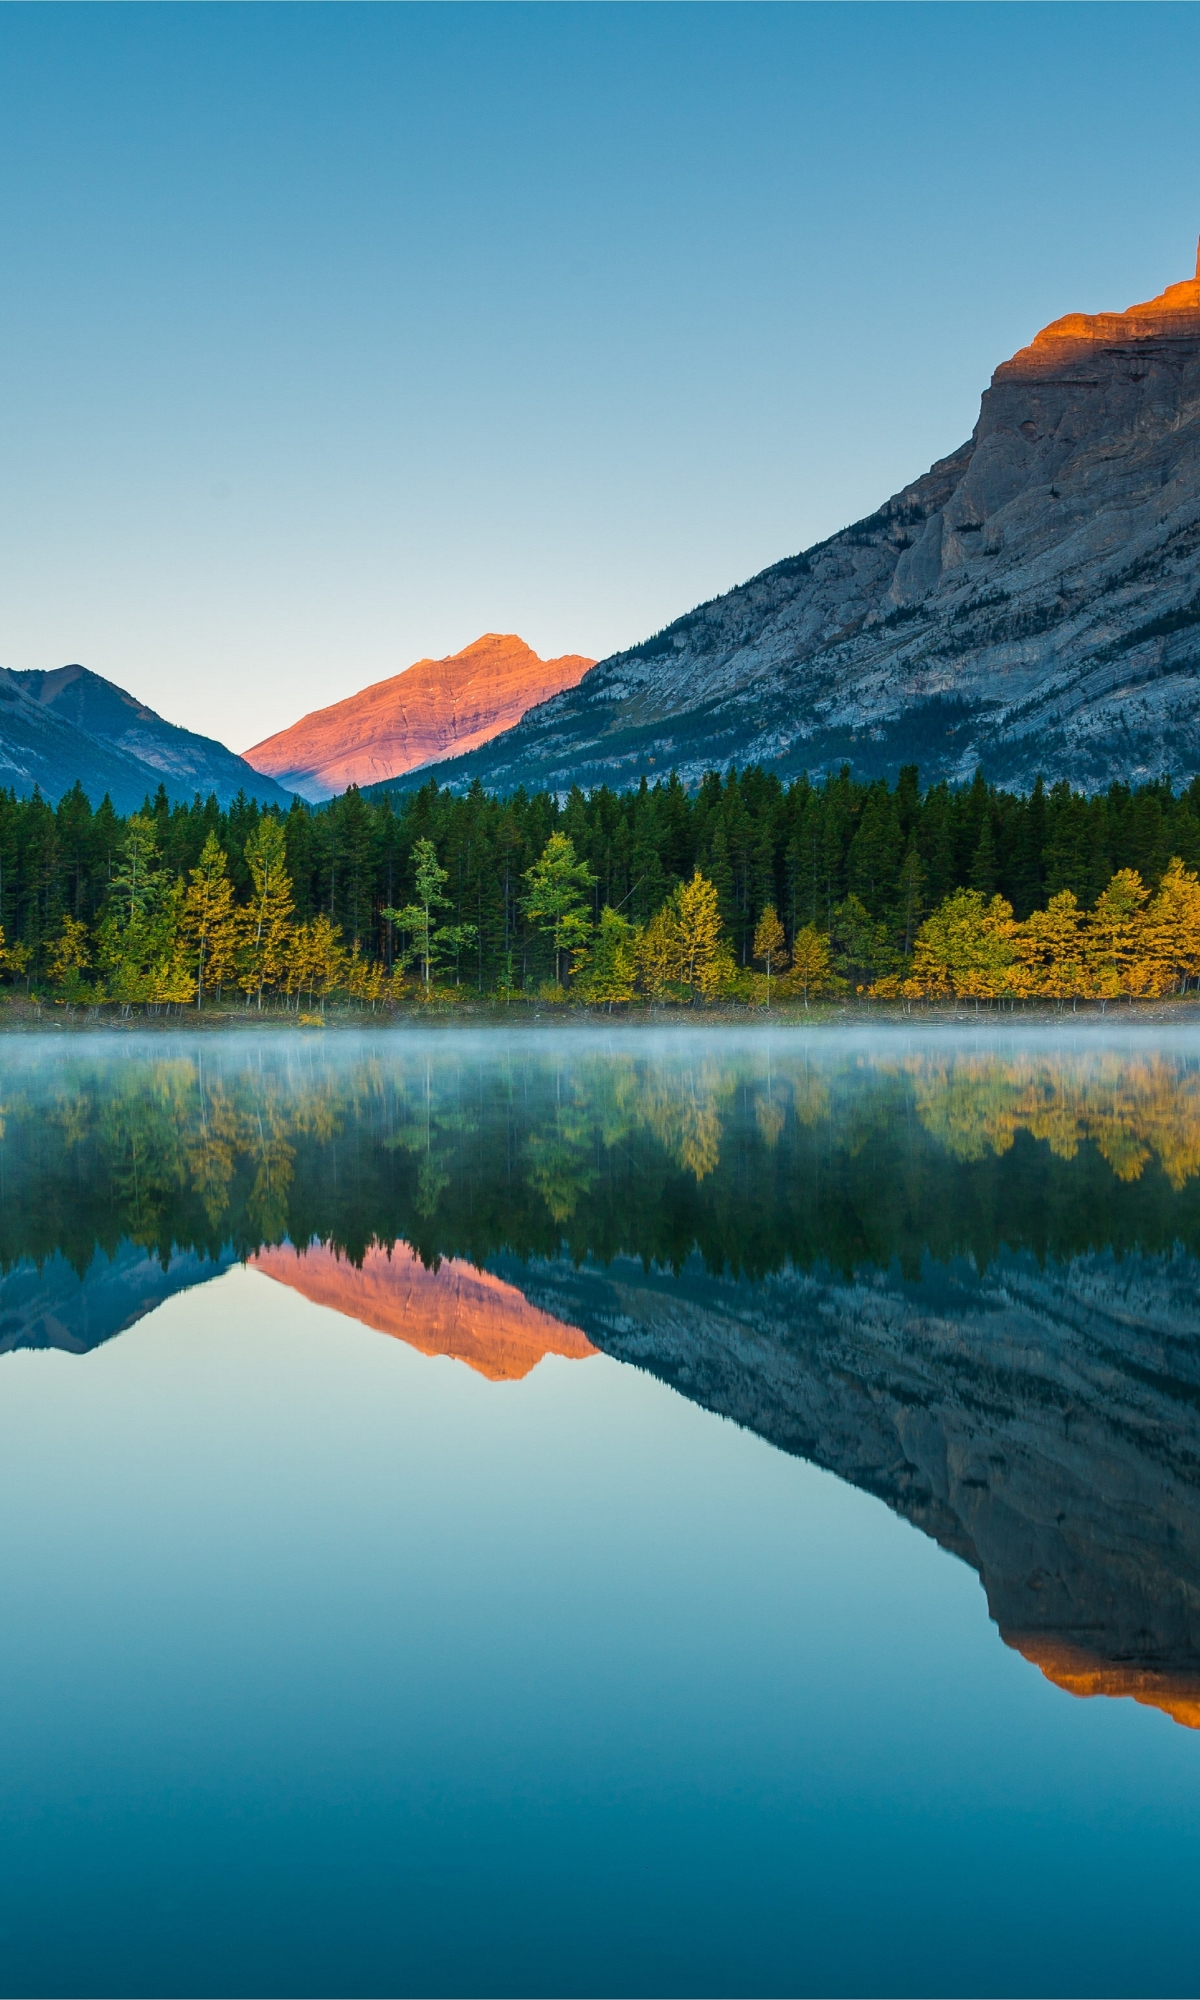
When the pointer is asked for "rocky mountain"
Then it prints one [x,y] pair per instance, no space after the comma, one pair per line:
[1031,604]
[435,709]
[1040,1421]
[70,724]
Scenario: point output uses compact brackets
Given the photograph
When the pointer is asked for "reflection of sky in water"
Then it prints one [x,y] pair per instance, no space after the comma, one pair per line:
[334,1666]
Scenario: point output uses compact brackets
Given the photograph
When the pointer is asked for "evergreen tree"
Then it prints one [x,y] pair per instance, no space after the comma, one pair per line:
[557,897]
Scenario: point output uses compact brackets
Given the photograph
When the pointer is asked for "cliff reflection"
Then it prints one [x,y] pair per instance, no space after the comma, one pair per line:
[966,1280]
[454,1310]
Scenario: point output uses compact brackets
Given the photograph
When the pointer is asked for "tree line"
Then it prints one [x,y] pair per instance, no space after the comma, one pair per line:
[745,883]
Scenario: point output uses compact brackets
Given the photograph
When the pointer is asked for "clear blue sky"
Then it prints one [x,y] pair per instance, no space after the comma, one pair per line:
[333,336]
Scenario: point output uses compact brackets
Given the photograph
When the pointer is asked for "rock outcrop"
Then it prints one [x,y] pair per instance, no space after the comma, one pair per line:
[71,725]
[1041,1422]
[435,709]
[1031,604]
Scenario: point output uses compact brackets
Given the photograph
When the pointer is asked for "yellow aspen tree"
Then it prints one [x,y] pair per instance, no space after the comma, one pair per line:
[69,958]
[660,953]
[703,964]
[13,957]
[297,971]
[770,944]
[267,917]
[316,959]
[209,920]
[1052,952]
[363,979]
[1117,937]
[1173,929]
[811,968]
[967,947]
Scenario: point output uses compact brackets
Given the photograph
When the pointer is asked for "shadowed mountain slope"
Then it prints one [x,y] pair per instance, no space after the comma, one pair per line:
[433,710]
[1042,1422]
[1032,603]
[71,724]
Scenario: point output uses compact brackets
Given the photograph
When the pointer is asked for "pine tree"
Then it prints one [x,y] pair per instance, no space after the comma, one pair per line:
[911,905]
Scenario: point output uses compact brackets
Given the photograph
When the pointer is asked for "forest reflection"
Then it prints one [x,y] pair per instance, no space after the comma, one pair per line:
[754,1154]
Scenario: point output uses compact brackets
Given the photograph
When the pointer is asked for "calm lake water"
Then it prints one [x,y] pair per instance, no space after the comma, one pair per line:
[600,1514]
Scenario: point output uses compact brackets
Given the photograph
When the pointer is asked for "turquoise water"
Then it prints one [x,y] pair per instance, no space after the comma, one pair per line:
[637,1586]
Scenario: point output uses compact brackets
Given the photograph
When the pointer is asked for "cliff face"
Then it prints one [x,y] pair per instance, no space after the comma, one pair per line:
[437,709]
[1032,603]
[72,724]
[1043,1423]
[455,1310]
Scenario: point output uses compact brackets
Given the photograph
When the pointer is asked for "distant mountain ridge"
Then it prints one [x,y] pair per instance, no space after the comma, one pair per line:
[1031,604]
[430,711]
[71,725]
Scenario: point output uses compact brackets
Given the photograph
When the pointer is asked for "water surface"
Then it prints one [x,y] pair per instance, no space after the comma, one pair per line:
[600,1513]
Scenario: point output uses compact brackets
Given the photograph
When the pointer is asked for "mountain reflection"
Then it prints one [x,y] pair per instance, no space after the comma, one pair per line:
[453,1310]
[963,1279]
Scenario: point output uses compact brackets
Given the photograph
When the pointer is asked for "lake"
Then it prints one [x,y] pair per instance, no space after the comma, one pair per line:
[624,1513]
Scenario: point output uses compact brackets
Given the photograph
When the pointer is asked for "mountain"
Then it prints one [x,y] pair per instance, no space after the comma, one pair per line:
[48,1303]
[71,724]
[431,711]
[455,1309]
[1031,604]
[1039,1420]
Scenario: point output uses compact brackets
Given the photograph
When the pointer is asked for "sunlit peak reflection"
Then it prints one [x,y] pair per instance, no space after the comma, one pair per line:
[1082,1674]
[454,1310]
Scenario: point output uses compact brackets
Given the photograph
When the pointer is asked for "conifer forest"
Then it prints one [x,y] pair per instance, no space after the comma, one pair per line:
[745,890]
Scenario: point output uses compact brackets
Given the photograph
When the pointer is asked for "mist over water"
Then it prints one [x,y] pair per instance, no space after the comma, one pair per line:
[460,1495]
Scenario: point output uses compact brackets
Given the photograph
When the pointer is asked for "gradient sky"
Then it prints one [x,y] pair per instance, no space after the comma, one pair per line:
[335,336]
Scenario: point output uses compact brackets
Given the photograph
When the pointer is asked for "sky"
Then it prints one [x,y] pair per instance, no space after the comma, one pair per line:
[334,336]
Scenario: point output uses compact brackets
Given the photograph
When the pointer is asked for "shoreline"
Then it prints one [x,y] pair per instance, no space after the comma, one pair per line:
[19,1018]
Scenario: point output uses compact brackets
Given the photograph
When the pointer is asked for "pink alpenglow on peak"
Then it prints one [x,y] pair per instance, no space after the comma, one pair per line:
[433,710]
[1173,316]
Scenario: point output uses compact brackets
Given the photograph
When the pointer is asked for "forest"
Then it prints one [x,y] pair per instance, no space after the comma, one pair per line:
[740,890]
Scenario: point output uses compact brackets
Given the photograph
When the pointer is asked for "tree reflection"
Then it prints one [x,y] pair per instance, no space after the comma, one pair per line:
[755,1158]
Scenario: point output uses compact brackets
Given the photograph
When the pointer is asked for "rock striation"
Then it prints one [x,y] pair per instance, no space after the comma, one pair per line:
[1040,1422]
[1031,604]
[71,725]
[435,709]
